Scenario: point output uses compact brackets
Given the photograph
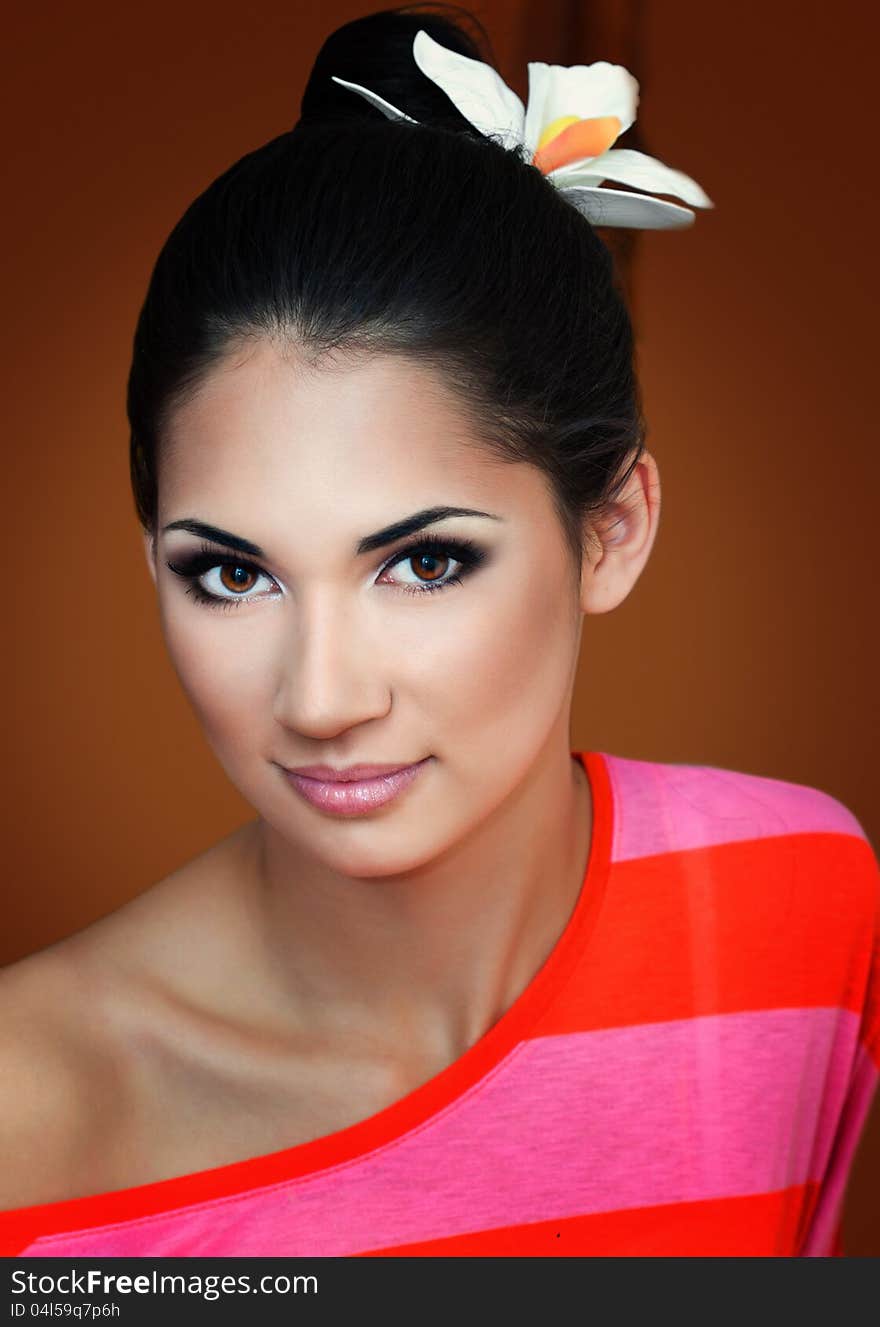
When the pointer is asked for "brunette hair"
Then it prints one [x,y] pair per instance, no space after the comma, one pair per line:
[356,234]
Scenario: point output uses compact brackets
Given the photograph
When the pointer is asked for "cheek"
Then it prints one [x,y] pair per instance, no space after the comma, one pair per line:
[214,662]
[502,654]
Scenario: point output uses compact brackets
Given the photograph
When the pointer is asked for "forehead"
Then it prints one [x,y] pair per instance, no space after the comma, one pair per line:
[269,441]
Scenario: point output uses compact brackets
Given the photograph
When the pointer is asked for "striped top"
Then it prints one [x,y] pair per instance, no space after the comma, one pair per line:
[688,1073]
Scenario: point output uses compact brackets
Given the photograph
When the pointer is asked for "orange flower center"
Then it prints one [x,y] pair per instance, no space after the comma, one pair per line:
[569,138]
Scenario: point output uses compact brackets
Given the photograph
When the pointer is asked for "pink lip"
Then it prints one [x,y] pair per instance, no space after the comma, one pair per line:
[349,791]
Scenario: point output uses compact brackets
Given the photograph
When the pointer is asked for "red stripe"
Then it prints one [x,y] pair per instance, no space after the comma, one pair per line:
[744,925]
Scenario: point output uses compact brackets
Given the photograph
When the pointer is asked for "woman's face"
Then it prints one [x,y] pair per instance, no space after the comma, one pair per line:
[319,652]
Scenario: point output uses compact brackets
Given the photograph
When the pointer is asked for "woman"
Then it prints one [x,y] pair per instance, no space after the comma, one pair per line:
[455,989]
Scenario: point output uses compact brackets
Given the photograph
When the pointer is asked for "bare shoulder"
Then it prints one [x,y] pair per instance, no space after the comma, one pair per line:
[56,1077]
[74,1020]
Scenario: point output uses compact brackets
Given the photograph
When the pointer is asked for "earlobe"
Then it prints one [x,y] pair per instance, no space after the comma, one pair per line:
[621,539]
[609,569]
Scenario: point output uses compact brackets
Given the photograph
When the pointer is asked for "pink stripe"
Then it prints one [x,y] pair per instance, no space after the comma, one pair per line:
[710,1107]
[663,807]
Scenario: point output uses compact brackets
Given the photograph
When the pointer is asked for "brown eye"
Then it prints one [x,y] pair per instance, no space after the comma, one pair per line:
[429,566]
[433,564]
[235,577]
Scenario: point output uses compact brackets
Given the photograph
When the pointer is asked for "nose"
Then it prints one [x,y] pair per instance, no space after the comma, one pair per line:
[332,674]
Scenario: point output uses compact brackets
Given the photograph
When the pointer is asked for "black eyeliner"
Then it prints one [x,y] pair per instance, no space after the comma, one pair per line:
[191,566]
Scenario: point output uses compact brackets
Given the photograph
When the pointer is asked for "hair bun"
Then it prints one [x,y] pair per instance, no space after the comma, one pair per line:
[376,51]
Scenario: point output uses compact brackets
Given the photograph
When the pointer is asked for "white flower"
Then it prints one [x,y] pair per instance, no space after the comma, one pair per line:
[574,115]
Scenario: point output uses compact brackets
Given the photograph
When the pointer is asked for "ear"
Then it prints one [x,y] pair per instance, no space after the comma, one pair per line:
[618,544]
[150,553]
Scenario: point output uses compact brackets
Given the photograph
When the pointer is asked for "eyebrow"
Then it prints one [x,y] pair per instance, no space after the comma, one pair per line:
[368,544]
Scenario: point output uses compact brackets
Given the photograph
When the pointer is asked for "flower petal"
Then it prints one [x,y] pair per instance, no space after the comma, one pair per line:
[614,207]
[626,166]
[587,91]
[373,97]
[475,88]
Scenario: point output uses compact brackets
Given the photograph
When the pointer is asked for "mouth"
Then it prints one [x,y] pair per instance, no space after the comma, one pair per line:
[351,792]
[348,773]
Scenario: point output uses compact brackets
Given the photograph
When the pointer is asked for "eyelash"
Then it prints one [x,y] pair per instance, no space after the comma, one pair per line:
[190,568]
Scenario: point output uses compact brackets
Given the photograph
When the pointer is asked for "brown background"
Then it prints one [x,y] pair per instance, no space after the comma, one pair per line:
[749,642]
